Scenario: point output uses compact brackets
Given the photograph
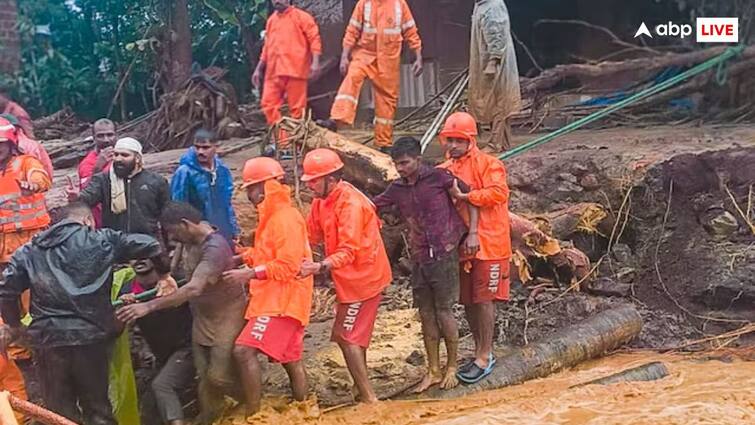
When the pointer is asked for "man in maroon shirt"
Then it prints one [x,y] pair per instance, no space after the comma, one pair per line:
[99,159]
[421,197]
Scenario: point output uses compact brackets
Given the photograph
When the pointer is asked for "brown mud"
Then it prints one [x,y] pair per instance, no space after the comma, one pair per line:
[717,388]
[688,266]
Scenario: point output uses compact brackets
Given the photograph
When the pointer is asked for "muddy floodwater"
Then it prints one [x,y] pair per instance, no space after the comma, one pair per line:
[712,388]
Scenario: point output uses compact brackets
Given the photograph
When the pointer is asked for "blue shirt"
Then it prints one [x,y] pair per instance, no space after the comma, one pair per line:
[211,192]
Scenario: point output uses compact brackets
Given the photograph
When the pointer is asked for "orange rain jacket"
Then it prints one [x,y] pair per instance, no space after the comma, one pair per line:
[21,217]
[486,176]
[376,31]
[291,38]
[280,246]
[347,223]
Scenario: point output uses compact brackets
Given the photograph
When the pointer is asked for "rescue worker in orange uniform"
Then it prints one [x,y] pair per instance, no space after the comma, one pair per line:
[291,53]
[346,221]
[485,277]
[280,301]
[23,212]
[372,49]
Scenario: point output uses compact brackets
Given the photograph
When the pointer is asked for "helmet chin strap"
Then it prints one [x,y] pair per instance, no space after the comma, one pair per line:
[325,188]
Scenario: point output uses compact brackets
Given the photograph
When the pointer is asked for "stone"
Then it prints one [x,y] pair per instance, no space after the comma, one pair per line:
[621,253]
[568,177]
[589,182]
[607,287]
[416,358]
[720,223]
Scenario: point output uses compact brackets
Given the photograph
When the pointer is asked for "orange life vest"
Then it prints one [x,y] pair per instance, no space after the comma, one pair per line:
[19,212]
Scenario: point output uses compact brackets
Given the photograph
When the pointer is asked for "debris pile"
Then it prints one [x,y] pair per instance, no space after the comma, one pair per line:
[204,101]
[61,125]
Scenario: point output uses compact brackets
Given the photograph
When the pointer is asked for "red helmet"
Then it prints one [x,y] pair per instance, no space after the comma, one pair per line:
[459,125]
[319,163]
[259,169]
[8,132]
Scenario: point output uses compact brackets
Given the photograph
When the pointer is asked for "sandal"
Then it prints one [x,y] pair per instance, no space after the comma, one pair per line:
[474,373]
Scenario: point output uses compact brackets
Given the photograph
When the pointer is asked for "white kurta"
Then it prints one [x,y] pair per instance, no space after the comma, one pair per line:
[492,97]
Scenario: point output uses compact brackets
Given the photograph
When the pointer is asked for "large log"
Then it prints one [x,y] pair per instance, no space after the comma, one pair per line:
[602,333]
[585,72]
[647,372]
[371,170]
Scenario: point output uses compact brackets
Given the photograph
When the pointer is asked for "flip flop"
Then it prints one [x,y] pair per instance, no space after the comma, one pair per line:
[467,362]
[475,373]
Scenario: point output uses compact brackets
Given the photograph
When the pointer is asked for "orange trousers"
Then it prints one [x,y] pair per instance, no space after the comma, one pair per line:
[280,90]
[12,381]
[385,89]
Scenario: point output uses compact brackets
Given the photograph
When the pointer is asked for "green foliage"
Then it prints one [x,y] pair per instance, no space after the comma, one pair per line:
[93,43]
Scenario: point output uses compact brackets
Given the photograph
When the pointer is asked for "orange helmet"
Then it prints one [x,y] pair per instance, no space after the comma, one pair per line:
[320,162]
[259,169]
[8,132]
[459,125]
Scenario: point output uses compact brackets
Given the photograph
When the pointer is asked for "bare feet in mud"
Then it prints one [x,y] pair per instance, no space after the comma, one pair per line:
[428,381]
[449,380]
[358,397]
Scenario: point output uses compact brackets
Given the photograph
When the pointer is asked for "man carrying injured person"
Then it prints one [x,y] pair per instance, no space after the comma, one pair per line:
[485,275]
[422,198]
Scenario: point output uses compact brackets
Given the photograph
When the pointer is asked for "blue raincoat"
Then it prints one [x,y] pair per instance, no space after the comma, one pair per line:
[209,192]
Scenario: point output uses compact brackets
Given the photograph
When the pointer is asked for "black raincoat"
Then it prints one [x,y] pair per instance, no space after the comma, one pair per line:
[69,269]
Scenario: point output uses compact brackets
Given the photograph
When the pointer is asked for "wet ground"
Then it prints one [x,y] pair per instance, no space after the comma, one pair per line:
[713,388]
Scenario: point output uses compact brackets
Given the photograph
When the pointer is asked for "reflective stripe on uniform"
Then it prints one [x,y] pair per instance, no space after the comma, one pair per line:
[347,97]
[31,206]
[368,12]
[355,23]
[383,121]
[408,25]
[368,28]
[396,30]
[8,197]
[18,218]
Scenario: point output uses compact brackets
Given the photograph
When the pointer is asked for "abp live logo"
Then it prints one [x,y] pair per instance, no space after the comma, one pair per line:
[709,30]
[717,30]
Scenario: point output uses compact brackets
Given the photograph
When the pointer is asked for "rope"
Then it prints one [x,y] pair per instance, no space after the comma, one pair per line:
[650,91]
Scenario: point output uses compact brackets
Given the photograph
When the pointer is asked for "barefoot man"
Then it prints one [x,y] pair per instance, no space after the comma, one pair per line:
[346,221]
[422,198]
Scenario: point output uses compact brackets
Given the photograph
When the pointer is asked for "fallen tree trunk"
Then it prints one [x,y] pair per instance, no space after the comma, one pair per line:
[67,153]
[365,167]
[584,72]
[602,333]
[647,372]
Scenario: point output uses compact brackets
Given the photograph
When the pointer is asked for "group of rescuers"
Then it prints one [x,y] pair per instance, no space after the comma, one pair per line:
[234,303]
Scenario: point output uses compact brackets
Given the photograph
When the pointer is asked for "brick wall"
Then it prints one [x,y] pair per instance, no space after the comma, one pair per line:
[10,45]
